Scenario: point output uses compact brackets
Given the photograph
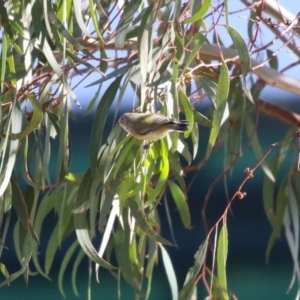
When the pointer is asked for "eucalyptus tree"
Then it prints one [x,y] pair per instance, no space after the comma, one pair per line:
[174,56]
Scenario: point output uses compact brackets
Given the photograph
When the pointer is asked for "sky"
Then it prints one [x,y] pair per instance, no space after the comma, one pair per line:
[238,19]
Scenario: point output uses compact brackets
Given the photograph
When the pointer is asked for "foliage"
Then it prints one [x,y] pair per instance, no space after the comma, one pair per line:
[173,57]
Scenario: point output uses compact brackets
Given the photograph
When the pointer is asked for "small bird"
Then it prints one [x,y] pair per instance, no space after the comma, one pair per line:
[151,127]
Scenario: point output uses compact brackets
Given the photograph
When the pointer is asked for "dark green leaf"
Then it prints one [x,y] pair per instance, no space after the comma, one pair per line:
[191,277]
[188,110]
[181,204]
[244,56]
[198,11]
[222,251]
[220,114]
[99,122]
[144,226]
[126,18]
[36,118]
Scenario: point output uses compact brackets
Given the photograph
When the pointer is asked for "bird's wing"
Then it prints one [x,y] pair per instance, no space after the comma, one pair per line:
[157,123]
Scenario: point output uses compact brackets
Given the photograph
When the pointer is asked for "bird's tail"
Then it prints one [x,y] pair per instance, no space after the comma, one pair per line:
[181,125]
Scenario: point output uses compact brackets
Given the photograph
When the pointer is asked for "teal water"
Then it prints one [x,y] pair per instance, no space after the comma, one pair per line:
[249,277]
[247,280]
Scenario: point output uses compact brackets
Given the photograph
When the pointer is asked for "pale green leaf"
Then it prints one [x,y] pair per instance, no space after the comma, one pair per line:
[188,111]
[222,252]
[181,204]
[99,122]
[161,182]
[244,56]
[210,88]
[35,120]
[76,264]
[219,112]
[170,272]
[9,156]
[144,226]
[63,266]
[252,134]
[126,18]
[201,10]
[191,277]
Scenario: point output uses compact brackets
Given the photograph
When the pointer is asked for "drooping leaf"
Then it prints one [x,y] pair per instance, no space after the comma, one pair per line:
[99,122]
[222,252]
[190,280]
[128,13]
[181,204]
[199,11]
[244,56]
[219,114]
[35,120]
[63,266]
[281,203]
[170,272]
[188,111]
[144,226]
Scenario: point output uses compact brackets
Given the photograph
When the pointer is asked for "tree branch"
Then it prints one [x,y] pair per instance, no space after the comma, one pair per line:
[268,75]
[278,112]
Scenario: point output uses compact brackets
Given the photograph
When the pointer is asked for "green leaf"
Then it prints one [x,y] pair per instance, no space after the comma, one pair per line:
[126,18]
[76,264]
[14,276]
[126,156]
[99,122]
[5,22]
[268,192]
[181,204]
[36,118]
[11,150]
[188,111]
[78,14]
[123,245]
[177,170]
[92,13]
[210,88]
[197,41]
[3,270]
[142,223]
[161,182]
[63,31]
[281,203]
[118,72]
[81,205]
[24,163]
[90,251]
[170,272]
[273,59]
[191,277]
[63,266]
[220,114]
[222,252]
[201,119]
[244,56]
[201,11]
[4,49]
[145,47]
[252,134]
[19,204]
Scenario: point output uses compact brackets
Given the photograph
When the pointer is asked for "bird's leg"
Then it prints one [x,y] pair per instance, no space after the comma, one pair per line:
[146,146]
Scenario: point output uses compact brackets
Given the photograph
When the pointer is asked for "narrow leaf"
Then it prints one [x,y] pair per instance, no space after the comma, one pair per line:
[244,56]
[181,204]
[170,272]
[221,260]
[99,122]
[200,13]
[221,101]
